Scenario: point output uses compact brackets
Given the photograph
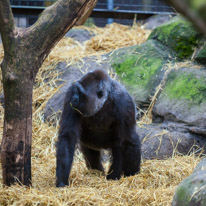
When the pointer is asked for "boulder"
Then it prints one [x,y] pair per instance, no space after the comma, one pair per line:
[179,35]
[80,35]
[183,99]
[200,56]
[161,141]
[54,106]
[139,68]
[192,190]
[179,112]
[156,20]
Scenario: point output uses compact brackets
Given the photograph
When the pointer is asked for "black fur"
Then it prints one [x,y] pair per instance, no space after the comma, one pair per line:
[100,114]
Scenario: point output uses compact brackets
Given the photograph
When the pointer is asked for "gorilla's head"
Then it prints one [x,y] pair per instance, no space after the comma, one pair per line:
[90,93]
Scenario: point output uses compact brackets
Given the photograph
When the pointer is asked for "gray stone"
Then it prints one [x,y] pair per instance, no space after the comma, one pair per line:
[200,55]
[54,106]
[156,20]
[201,166]
[192,190]
[183,99]
[147,58]
[179,35]
[139,68]
[80,35]
[163,141]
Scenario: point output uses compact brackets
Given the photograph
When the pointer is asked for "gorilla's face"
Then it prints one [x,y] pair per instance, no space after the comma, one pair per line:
[89,95]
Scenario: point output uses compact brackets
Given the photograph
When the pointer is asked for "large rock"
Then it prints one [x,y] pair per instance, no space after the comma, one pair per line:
[192,190]
[179,35]
[180,109]
[200,56]
[54,106]
[160,141]
[80,35]
[183,99]
[156,20]
[139,68]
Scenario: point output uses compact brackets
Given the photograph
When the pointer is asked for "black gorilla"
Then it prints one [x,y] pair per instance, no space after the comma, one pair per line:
[100,114]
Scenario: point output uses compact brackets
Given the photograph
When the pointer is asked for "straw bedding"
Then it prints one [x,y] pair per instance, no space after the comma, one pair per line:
[155,184]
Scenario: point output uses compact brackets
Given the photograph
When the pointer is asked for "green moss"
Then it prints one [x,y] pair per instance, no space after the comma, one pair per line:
[201,55]
[181,194]
[138,70]
[179,35]
[186,48]
[186,86]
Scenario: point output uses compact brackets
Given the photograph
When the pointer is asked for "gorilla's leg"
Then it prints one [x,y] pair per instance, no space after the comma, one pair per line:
[132,156]
[92,158]
[116,167]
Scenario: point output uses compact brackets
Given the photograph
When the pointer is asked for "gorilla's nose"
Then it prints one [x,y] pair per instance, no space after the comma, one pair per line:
[75,100]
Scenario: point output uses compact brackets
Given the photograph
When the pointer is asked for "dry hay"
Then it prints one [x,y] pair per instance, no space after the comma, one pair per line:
[106,39]
[155,184]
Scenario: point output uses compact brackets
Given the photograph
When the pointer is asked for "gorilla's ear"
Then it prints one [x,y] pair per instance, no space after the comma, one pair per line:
[101,90]
[107,84]
[101,85]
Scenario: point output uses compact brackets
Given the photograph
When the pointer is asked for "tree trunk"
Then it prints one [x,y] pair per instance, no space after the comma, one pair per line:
[17,135]
[24,53]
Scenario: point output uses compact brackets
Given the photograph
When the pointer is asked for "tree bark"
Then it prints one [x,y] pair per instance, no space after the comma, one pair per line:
[16,143]
[18,80]
[24,53]
[87,13]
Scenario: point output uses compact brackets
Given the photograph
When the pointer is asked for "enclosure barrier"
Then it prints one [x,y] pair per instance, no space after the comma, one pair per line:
[106,10]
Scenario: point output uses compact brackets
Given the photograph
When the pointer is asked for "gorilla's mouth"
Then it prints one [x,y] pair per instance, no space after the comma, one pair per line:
[75,109]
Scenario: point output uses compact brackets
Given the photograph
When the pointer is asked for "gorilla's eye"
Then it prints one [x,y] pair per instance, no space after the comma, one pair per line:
[99,94]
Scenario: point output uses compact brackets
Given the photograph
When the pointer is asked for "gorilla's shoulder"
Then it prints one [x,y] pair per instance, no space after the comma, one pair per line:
[119,91]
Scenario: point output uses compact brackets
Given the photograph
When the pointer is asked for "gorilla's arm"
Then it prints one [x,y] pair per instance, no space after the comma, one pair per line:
[69,133]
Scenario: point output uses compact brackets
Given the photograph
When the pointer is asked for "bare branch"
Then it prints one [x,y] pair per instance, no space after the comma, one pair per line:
[54,22]
[182,7]
[87,13]
[6,24]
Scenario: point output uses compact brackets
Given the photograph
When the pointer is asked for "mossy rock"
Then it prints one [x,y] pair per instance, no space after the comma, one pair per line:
[139,68]
[183,98]
[192,190]
[179,35]
[200,57]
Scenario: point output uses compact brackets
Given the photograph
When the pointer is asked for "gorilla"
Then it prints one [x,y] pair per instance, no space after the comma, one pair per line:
[99,114]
